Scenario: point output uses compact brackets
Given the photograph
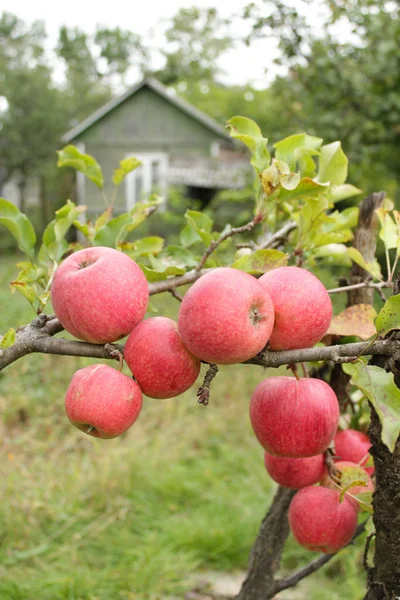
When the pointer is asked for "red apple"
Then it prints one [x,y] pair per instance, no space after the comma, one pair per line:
[320,522]
[99,294]
[226,317]
[354,446]
[294,417]
[347,473]
[303,308]
[161,364]
[102,402]
[295,473]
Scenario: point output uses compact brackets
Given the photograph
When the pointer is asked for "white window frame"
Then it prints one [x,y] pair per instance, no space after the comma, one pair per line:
[146,158]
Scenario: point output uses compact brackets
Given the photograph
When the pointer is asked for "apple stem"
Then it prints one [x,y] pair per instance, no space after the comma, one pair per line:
[293,368]
[89,429]
[305,370]
[203,393]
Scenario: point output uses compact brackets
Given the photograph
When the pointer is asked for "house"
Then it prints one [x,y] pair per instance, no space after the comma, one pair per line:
[176,143]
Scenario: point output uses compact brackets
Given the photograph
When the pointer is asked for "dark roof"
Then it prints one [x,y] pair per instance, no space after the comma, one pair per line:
[159,89]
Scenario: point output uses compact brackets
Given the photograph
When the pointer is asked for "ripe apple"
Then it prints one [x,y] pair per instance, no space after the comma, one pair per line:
[102,402]
[226,317]
[99,294]
[354,446]
[294,417]
[295,473]
[348,472]
[303,308]
[161,364]
[319,521]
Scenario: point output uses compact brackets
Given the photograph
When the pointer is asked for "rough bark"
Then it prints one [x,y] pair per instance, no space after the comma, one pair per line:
[266,553]
[365,242]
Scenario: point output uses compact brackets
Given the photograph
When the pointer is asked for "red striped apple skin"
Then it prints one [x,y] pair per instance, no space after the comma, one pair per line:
[303,308]
[99,294]
[104,399]
[226,317]
[158,359]
[320,522]
[353,445]
[294,418]
[295,473]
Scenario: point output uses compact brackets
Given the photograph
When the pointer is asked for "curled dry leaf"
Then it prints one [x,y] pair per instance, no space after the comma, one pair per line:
[355,320]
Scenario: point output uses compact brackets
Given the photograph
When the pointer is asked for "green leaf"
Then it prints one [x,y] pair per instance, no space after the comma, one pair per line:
[125,166]
[103,218]
[335,254]
[153,275]
[248,132]
[115,231]
[189,236]
[70,156]
[388,233]
[380,389]
[8,339]
[297,147]
[143,247]
[341,192]
[29,292]
[19,226]
[333,164]
[373,267]
[202,225]
[306,189]
[261,261]
[176,256]
[389,316]
[54,234]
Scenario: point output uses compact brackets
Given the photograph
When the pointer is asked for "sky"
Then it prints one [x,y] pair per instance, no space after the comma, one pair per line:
[145,17]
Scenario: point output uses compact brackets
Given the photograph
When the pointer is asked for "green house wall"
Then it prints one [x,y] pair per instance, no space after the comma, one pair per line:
[145,122]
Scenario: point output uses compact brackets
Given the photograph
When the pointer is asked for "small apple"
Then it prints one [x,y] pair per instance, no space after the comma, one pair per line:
[294,417]
[102,402]
[348,472]
[303,308]
[353,445]
[320,522]
[161,364]
[295,473]
[99,294]
[226,317]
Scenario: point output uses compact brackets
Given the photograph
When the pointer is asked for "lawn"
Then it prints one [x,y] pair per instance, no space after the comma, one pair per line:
[133,518]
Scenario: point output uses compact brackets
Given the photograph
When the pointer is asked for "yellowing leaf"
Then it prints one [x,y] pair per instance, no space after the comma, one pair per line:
[8,339]
[389,316]
[356,320]
[125,166]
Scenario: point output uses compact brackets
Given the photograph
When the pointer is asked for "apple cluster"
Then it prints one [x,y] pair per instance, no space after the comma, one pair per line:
[101,295]
[319,519]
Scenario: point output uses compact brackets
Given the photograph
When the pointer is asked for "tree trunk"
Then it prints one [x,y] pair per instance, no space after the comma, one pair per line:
[22,187]
[266,553]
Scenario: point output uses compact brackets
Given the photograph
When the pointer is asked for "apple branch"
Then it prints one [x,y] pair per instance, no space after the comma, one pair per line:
[314,565]
[364,284]
[230,233]
[203,393]
[38,337]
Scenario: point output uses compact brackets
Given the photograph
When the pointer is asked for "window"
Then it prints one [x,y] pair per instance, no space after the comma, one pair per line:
[149,177]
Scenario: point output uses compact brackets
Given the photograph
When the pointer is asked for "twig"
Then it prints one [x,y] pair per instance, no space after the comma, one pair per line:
[314,565]
[175,294]
[215,243]
[364,284]
[279,236]
[203,393]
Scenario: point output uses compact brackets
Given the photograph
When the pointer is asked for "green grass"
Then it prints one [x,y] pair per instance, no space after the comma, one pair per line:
[132,518]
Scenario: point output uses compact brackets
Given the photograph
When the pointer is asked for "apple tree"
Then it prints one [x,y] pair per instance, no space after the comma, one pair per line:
[254,298]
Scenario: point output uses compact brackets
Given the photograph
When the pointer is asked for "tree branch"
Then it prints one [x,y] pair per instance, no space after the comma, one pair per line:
[358,286]
[215,243]
[279,236]
[314,565]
